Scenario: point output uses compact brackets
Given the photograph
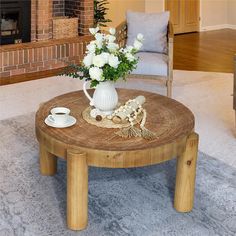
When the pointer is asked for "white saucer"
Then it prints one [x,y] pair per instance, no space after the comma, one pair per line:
[70,121]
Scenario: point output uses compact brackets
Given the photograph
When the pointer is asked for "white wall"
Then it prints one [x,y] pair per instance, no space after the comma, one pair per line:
[154,5]
[214,13]
[232,12]
[118,8]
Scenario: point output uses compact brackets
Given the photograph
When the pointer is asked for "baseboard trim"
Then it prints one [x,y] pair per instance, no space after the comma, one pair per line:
[232,26]
[217,27]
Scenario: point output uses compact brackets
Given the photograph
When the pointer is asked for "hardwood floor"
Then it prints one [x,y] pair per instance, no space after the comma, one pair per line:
[205,51]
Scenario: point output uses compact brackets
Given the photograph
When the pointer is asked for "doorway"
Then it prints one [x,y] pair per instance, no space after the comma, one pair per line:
[184,15]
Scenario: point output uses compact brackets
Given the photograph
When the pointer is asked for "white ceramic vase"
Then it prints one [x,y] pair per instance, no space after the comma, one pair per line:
[105,97]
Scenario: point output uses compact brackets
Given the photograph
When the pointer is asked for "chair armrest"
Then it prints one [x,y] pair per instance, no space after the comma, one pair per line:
[234,92]
[170,32]
[170,45]
[121,34]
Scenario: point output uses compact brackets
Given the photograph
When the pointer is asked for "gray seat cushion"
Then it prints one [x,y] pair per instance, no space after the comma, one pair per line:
[153,26]
[151,64]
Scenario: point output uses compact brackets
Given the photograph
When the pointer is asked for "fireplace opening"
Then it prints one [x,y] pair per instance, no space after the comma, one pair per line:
[10,24]
[15,23]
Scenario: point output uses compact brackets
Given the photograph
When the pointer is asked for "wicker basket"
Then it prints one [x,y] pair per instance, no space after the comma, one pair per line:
[65,27]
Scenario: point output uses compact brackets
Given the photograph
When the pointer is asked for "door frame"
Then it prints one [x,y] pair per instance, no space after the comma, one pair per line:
[164,3]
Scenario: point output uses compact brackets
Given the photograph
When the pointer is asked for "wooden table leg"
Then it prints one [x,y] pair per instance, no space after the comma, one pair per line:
[185,175]
[77,190]
[48,162]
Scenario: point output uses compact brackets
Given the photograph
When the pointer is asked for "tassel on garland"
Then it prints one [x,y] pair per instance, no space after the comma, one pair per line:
[130,111]
[129,132]
[147,134]
[132,131]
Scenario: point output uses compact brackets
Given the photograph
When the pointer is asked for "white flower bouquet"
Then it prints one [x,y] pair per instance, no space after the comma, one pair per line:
[104,60]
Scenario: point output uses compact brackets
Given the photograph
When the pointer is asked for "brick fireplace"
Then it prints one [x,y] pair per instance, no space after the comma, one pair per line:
[43,52]
[43,11]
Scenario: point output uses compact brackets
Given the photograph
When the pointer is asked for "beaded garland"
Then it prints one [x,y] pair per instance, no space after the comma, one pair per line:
[131,116]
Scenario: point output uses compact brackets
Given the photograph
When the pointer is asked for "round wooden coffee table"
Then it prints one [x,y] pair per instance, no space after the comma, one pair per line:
[84,145]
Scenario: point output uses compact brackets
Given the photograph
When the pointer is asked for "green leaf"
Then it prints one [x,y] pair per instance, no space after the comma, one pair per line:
[100,11]
[94,83]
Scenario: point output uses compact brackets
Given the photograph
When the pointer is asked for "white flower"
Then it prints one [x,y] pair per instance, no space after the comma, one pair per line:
[129,48]
[137,44]
[140,37]
[99,44]
[98,37]
[112,46]
[111,38]
[91,47]
[93,31]
[105,56]
[113,61]
[129,56]
[88,60]
[99,61]
[95,73]
[99,40]
[112,31]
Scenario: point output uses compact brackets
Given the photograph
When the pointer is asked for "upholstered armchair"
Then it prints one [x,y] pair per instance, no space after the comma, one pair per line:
[152,65]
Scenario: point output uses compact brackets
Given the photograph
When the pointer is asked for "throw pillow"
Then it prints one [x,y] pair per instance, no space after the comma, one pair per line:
[153,26]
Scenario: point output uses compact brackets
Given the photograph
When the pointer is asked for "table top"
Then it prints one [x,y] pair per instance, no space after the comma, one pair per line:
[170,120]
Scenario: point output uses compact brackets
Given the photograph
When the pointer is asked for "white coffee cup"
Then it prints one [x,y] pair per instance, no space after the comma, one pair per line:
[59,115]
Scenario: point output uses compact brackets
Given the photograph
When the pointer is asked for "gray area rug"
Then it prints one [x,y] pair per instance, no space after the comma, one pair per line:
[135,202]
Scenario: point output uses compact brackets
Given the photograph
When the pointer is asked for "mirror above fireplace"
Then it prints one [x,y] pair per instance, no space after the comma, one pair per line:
[15,21]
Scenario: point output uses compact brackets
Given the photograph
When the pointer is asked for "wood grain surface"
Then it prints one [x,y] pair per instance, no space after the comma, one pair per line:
[211,51]
[77,190]
[168,118]
[185,175]
[84,145]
